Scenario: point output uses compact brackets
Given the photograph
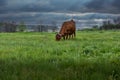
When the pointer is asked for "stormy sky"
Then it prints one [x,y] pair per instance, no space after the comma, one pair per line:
[36,10]
[104,6]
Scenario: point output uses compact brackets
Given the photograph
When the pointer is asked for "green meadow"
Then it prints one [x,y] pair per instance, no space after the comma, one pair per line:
[92,55]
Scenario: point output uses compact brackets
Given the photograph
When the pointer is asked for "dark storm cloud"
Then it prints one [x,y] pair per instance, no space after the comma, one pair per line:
[47,6]
[27,9]
[35,8]
[2,3]
[95,4]
[104,6]
[116,3]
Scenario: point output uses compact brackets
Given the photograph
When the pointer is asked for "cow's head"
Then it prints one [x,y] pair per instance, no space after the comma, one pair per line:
[58,37]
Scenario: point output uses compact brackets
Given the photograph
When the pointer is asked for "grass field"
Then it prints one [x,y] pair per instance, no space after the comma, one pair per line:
[37,56]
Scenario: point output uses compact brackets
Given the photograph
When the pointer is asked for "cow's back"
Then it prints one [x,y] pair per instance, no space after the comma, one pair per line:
[68,27]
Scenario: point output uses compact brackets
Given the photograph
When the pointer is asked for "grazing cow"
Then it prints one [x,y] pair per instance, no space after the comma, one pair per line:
[67,30]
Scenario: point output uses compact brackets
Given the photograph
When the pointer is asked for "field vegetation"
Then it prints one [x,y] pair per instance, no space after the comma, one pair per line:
[92,55]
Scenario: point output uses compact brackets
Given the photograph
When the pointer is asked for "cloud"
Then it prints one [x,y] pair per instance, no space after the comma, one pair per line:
[102,6]
[29,10]
[116,6]
[2,3]
[95,4]
[2,6]
[99,6]
[11,6]
[36,5]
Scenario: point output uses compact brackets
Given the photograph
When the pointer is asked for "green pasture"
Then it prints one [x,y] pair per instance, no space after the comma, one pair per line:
[92,55]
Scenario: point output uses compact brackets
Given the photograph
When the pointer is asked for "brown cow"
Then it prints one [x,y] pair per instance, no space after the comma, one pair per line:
[67,30]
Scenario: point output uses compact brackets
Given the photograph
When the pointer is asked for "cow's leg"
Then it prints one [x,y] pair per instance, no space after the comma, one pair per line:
[66,36]
[74,34]
[69,36]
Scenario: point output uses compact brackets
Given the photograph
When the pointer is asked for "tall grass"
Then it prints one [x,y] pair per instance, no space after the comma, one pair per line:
[37,56]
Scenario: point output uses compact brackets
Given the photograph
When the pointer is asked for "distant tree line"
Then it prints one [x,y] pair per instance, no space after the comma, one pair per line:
[103,27]
[21,27]
[8,27]
[12,27]
[110,27]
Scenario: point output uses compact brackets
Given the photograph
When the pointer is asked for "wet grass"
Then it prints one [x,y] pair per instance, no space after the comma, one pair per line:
[37,56]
